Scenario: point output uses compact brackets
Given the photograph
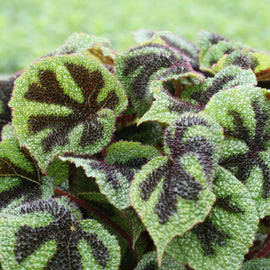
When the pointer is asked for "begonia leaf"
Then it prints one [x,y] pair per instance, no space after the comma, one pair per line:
[6,87]
[244,113]
[212,47]
[227,78]
[256,264]
[8,132]
[149,262]
[65,104]
[58,170]
[262,69]
[222,240]
[171,40]
[149,133]
[172,193]
[50,234]
[137,67]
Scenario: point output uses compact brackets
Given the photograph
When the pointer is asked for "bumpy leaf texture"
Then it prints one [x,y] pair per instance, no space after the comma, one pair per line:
[244,113]
[254,264]
[115,173]
[65,104]
[137,67]
[171,40]
[149,262]
[222,240]
[172,193]
[49,234]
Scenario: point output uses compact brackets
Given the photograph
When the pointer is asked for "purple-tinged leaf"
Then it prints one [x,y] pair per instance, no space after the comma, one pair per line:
[169,190]
[66,104]
[222,240]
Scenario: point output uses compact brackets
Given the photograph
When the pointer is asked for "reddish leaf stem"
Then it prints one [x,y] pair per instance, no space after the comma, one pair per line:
[95,212]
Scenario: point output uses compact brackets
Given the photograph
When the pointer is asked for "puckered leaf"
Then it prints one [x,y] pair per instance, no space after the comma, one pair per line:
[227,78]
[222,240]
[171,40]
[172,193]
[65,103]
[256,264]
[244,113]
[262,69]
[49,234]
[6,87]
[115,173]
[137,67]
[149,262]
[213,47]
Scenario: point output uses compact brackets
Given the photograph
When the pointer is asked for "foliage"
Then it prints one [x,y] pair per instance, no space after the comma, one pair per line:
[152,158]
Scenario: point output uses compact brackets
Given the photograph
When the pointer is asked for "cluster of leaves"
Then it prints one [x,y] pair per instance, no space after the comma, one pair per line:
[153,158]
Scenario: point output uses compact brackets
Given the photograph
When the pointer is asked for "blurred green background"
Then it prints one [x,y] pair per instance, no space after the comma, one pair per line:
[31,28]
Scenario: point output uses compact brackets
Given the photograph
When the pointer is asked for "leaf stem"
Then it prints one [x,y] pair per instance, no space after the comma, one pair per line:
[86,206]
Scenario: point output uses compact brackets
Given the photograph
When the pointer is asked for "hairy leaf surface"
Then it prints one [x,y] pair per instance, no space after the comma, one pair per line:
[172,193]
[49,234]
[66,103]
[222,240]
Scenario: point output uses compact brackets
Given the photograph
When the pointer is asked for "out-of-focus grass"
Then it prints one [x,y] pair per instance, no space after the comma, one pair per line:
[31,28]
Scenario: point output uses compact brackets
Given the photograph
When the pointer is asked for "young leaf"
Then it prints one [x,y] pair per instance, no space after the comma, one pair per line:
[49,234]
[172,193]
[65,103]
[222,240]
[244,113]
[137,67]
[149,262]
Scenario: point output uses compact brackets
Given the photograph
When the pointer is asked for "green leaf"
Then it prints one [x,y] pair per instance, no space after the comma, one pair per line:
[171,40]
[149,133]
[227,78]
[213,47]
[222,240]
[112,182]
[244,113]
[65,104]
[172,193]
[137,67]
[257,264]
[149,261]
[166,109]
[50,234]
[262,69]
[8,132]
[58,170]
[130,154]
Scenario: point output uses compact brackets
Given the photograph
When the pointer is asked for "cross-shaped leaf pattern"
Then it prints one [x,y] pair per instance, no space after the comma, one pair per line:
[167,185]
[56,238]
[66,103]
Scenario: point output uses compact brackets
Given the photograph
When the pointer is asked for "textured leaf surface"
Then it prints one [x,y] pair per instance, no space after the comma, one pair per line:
[58,170]
[257,264]
[137,67]
[149,262]
[227,78]
[112,182]
[171,40]
[65,103]
[244,113]
[212,47]
[49,234]
[222,240]
[172,193]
